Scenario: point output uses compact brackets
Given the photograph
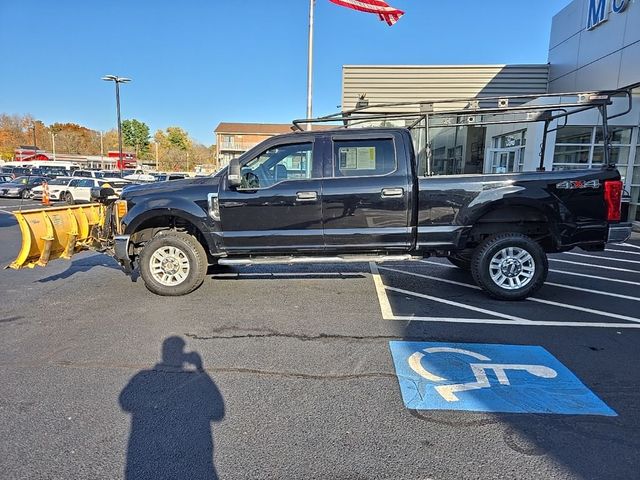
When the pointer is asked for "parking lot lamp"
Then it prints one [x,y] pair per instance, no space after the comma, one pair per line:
[118,80]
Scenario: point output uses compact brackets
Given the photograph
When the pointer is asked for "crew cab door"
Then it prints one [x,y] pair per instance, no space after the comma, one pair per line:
[277,208]
[367,191]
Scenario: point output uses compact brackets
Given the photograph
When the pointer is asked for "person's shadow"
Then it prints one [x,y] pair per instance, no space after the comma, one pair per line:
[172,408]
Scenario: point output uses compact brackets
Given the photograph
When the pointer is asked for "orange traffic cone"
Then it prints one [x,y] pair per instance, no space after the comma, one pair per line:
[45,194]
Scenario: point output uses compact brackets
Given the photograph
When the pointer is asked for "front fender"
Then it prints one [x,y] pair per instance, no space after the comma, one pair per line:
[184,209]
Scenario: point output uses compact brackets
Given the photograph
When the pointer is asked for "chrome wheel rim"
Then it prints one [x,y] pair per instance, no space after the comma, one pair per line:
[512,268]
[169,266]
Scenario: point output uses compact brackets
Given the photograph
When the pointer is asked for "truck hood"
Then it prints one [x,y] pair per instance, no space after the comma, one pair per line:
[168,186]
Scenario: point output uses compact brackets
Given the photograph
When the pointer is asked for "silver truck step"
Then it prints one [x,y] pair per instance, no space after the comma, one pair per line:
[295,260]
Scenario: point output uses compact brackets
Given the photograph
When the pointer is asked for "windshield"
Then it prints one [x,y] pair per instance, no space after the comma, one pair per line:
[21,180]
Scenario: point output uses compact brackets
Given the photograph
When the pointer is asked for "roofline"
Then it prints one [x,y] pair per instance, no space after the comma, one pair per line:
[232,132]
[500,65]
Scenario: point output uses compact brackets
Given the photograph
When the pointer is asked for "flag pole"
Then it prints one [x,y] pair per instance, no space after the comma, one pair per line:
[310,65]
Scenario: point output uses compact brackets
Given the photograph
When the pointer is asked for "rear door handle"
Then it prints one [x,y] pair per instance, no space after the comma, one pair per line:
[307,196]
[392,192]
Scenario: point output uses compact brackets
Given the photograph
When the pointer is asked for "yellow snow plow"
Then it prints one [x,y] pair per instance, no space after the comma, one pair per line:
[57,232]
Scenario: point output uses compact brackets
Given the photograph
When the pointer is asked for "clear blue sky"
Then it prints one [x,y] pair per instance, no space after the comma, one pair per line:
[195,63]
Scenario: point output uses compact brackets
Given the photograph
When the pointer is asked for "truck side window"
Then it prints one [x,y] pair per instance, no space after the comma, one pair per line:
[284,162]
[364,158]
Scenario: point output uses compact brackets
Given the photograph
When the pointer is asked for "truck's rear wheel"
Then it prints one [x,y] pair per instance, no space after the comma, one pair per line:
[509,266]
[173,263]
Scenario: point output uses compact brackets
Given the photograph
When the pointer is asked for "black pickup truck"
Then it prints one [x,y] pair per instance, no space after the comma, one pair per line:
[354,196]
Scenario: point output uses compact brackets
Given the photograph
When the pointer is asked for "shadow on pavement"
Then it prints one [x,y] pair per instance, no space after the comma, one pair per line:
[81,265]
[171,409]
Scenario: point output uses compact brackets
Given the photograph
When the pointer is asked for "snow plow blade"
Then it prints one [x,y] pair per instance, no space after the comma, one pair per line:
[59,232]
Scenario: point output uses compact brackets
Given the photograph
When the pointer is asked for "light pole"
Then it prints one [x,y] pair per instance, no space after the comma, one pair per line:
[118,80]
[53,142]
[101,152]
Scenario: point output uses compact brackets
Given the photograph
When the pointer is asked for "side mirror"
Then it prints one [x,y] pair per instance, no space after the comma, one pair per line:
[234,177]
[100,194]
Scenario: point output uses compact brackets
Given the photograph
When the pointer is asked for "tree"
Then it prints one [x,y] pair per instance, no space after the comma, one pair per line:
[136,134]
[178,138]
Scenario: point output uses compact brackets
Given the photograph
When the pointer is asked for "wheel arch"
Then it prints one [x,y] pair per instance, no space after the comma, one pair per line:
[145,226]
[529,218]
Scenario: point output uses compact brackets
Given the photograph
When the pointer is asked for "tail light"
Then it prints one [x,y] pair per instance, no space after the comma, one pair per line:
[613,199]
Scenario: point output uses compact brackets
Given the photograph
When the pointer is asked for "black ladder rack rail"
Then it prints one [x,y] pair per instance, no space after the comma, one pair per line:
[482,111]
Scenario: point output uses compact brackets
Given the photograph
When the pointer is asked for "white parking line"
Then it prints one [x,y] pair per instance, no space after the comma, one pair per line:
[437,263]
[531,299]
[21,206]
[599,257]
[458,304]
[388,315]
[629,245]
[598,292]
[383,300]
[529,323]
[595,277]
[617,269]
[559,285]
[622,251]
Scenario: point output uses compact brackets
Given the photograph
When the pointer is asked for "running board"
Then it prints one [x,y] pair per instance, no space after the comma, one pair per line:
[296,260]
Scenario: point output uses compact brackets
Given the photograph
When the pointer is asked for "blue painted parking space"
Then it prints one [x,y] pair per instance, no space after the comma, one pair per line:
[489,378]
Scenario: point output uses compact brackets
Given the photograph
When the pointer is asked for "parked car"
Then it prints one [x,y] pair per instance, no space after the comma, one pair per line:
[88,174]
[21,186]
[5,177]
[55,185]
[16,171]
[79,189]
[165,177]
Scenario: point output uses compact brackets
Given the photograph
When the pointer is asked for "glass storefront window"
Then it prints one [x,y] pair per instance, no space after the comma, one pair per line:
[619,155]
[457,150]
[572,154]
[581,147]
[573,134]
[619,135]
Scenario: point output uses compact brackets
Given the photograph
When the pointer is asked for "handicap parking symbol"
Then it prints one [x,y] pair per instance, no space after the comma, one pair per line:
[489,378]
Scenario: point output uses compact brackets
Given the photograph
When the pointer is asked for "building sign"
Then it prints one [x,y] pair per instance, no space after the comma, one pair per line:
[599,11]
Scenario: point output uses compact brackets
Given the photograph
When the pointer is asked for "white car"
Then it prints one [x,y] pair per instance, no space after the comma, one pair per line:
[55,184]
[140,177]
[79,189]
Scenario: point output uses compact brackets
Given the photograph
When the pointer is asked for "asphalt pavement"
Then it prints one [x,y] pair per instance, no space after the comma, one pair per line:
[287,372]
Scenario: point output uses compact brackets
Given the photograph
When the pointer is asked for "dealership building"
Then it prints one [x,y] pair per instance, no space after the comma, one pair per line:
[594,46]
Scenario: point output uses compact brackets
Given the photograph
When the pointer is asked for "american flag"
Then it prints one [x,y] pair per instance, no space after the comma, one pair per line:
[385,12]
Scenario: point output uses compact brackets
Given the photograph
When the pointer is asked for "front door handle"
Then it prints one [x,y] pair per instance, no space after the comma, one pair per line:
[307,196]
[392,192]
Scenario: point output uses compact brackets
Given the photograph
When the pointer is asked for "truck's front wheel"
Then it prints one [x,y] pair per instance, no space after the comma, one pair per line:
[173,263]
[509,266]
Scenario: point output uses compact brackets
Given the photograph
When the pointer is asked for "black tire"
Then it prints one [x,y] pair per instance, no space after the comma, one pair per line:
[68,197]
[193,253]
[494,246]
[461,259]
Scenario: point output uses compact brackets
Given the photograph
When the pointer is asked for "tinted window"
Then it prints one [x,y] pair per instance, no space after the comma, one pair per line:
[74,183]
[285,162]
[357,158]
[86,183]
[81,173]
